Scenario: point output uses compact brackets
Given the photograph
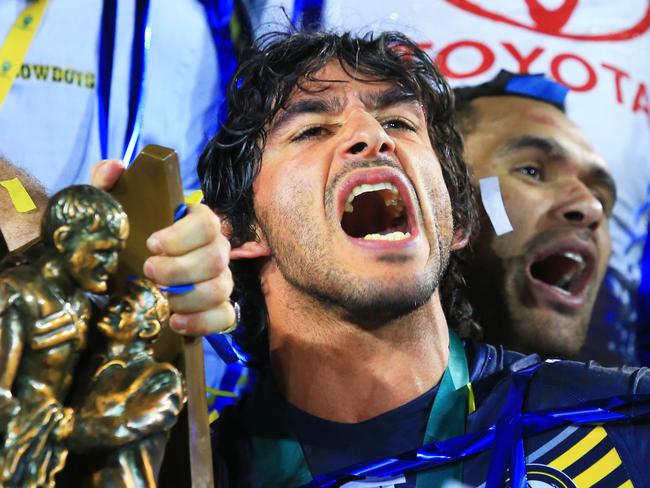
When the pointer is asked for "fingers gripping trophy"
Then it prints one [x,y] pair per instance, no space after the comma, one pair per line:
[45,314]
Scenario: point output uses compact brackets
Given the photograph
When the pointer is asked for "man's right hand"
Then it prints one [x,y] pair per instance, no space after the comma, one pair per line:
[192,250]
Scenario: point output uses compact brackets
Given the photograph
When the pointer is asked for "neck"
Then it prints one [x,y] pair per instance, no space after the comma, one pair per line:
[338,370]
[54,271]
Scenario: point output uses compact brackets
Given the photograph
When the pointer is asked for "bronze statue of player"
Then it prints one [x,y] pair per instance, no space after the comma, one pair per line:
[132,401]
[44,315]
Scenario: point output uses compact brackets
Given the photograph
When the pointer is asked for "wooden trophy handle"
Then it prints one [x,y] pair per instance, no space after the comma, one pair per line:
[151,190]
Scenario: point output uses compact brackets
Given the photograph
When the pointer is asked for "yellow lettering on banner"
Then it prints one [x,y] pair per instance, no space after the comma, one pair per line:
[25,72]
[19,196]
[17,43]
[90,80]
[194,197]
[57,74]
[41,71]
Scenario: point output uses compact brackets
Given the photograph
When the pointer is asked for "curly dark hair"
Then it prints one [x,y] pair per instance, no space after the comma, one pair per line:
[268,74]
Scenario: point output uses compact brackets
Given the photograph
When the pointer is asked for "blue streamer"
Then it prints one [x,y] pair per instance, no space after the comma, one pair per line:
[178,288]
[180,212]
[508,445]
[219,14]
[228,383]
[139,49]
[227,348]
[307,14]
[624,408]
[106,51]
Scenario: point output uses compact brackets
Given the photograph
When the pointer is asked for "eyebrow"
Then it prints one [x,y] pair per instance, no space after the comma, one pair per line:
[387,98]
[373,101]
[306,106]
[555,151]
[549,147]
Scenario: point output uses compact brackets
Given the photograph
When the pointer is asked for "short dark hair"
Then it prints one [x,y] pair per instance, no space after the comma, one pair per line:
[83,207]
[526,85]
[267,76]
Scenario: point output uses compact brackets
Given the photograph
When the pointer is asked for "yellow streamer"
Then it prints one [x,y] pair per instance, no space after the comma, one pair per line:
[194,197]
[19,196]
[17,43]
[471,402]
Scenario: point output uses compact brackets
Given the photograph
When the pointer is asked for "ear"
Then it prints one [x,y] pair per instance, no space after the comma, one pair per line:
[250,250]
[60,238]
[460,239]
[151,330]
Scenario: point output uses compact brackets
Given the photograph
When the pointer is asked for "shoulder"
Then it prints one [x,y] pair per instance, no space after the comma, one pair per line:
[578,381]
[485,360]
[555,379]
[490,366]
[16,283]
[558,384]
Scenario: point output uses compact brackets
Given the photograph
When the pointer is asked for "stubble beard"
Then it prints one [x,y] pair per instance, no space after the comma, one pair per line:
[511,315]
[305,263]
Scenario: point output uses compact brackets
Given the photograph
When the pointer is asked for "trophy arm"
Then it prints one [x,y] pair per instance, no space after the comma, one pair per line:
[12,341]
[112,419]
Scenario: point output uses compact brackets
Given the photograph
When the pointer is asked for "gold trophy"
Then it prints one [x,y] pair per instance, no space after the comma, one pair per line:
[113,410]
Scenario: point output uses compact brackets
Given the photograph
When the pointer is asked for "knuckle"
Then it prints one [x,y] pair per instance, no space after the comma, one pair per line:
[181,303]
[211,295]
[170,271]
[218,262]
[210,226]
[165,241]
[224,243]
[221,290]
[197,325]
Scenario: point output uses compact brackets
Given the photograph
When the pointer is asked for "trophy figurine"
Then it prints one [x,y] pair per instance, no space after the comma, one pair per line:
[114,418]
[132,400]
[44,315]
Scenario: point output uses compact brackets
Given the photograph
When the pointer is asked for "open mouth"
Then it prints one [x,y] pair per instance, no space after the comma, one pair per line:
[100,274]
[567,272]
[376,212]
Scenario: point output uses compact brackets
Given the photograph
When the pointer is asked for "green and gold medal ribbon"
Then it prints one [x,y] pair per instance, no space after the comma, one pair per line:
[280,461]
[453,402]
[17,43]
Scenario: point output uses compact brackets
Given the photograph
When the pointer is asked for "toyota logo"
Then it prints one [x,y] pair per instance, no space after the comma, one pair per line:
[553,21]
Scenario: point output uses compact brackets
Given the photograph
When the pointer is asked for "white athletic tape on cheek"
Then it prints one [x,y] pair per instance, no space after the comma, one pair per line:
[493,205]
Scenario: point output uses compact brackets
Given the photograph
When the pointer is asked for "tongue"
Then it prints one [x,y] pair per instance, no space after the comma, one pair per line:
[371,215]
[556,270]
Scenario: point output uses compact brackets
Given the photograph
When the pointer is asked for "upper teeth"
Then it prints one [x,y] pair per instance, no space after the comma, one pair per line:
[365,188]
[565,280]
[573,255]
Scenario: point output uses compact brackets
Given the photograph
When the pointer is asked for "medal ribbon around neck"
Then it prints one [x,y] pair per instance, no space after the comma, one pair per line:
[280,461]
[139,52]
[17,42]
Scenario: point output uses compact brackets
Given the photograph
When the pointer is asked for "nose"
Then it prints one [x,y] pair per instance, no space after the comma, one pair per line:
[579,207]
[364,138]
